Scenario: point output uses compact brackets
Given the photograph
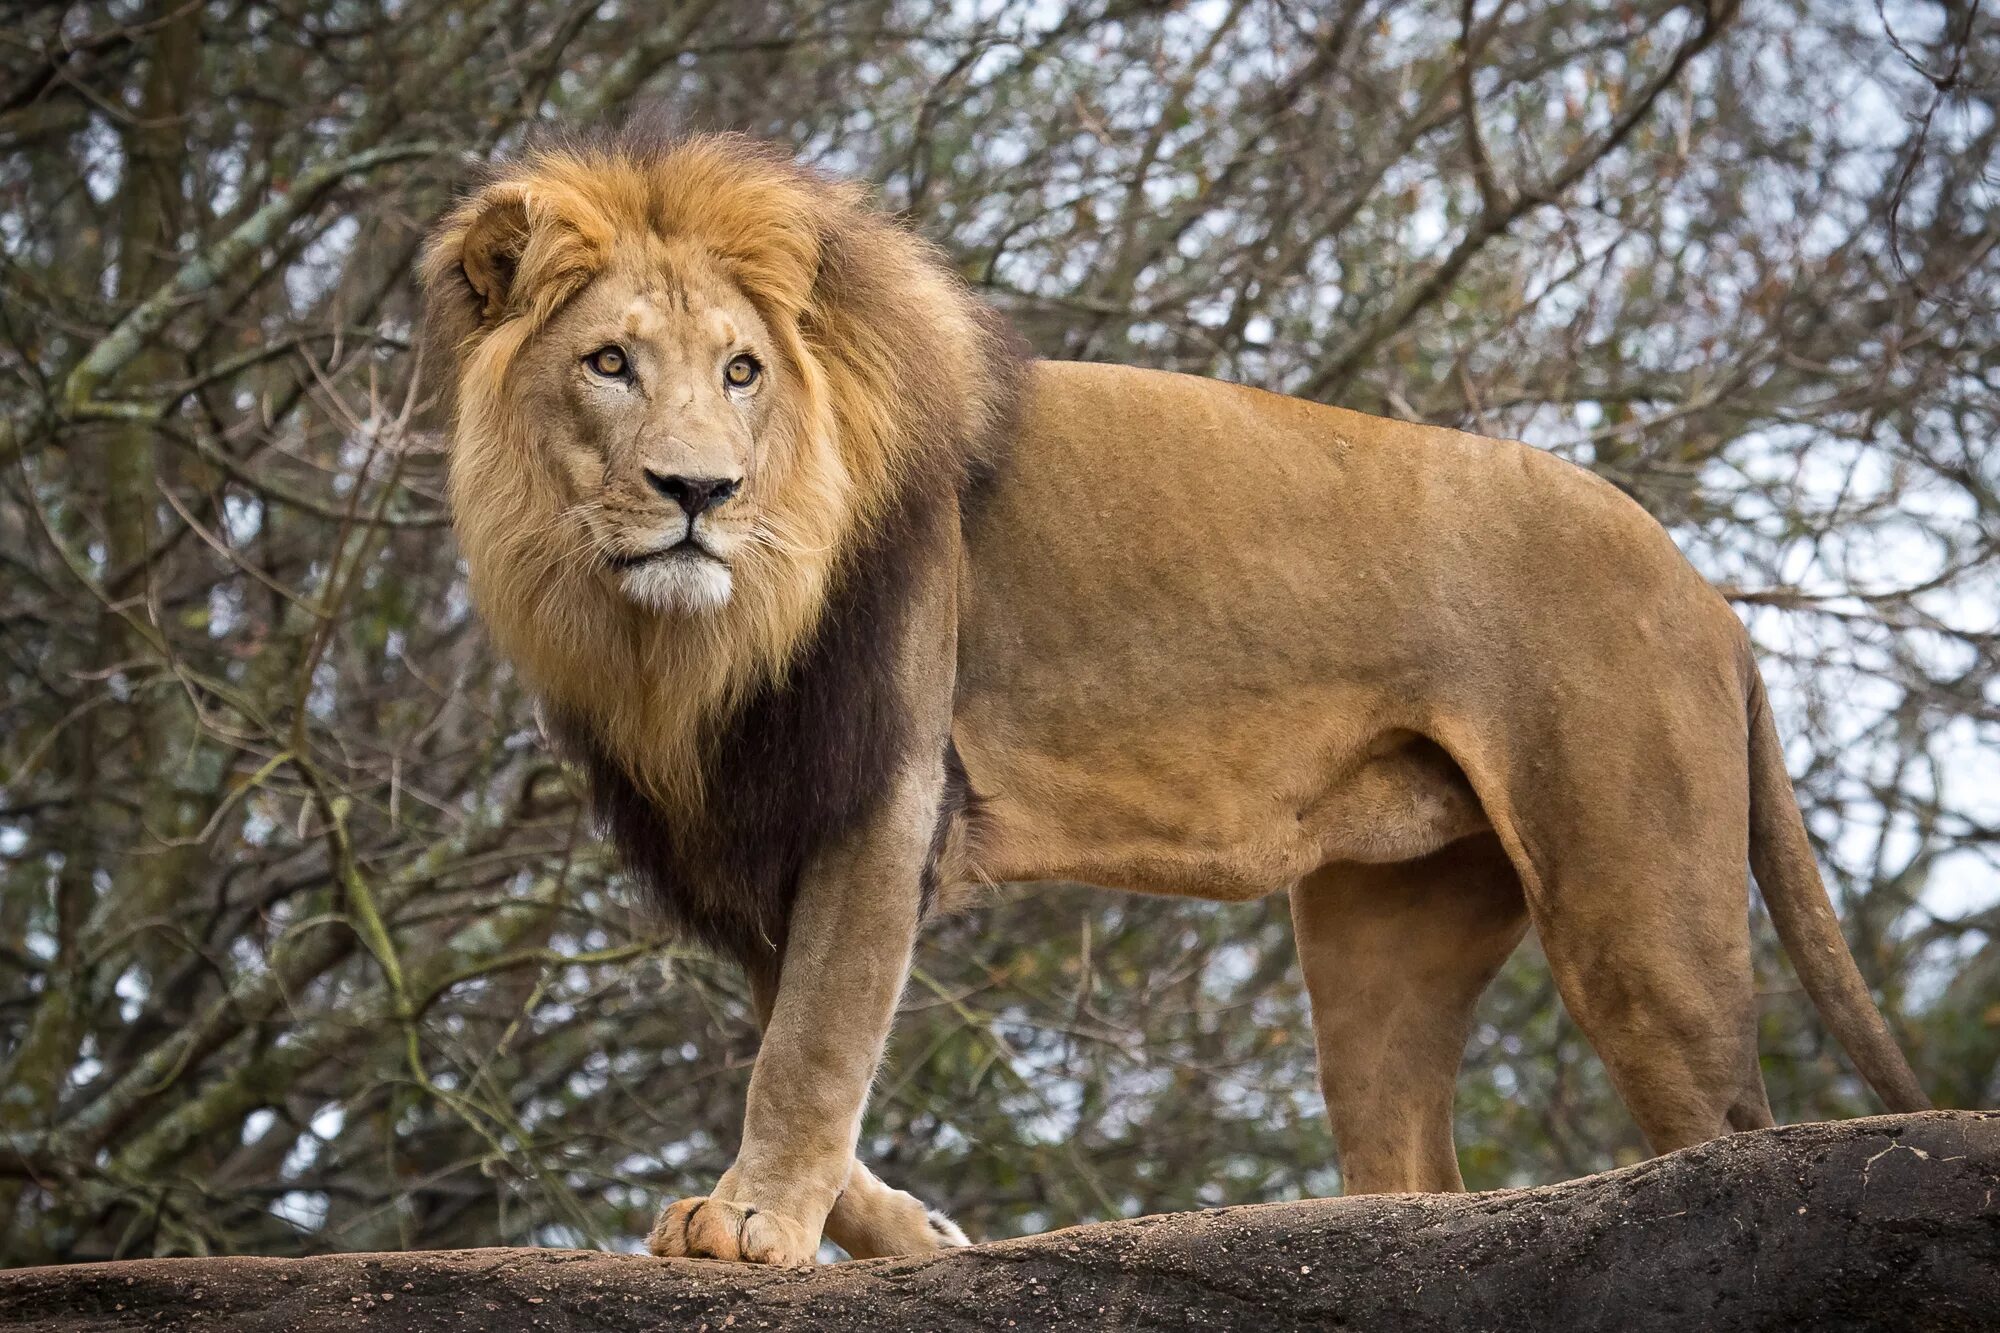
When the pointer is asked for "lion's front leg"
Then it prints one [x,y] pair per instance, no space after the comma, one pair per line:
[853,927]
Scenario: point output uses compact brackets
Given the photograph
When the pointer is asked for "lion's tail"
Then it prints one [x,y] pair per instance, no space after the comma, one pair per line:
[1781,857]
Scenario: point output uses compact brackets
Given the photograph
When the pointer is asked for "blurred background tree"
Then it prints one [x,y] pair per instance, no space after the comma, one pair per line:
[304,944]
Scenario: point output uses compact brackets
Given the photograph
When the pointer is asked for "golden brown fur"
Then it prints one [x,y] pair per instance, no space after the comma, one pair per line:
[1188,638]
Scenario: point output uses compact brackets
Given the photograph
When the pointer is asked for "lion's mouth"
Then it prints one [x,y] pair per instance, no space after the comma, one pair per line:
[687,548]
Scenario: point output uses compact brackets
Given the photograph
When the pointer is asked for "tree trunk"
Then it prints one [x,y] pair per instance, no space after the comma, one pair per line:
[151,204]
[1892,1222]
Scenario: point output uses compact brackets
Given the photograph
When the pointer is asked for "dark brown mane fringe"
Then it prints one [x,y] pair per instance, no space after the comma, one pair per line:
[800,763]
[806,758]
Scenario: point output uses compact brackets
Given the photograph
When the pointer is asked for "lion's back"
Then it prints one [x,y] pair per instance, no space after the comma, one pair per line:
[1165,535]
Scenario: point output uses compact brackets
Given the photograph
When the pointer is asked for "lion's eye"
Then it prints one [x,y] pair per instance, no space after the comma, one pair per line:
[742,371]
[609,362]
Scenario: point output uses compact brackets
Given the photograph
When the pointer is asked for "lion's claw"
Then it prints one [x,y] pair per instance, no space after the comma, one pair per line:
[710,1228]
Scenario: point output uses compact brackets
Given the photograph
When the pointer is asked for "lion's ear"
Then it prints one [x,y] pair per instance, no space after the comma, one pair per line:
[490,255]
[468,273]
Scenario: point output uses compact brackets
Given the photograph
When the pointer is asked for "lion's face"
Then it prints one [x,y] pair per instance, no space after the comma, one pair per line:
[686,381]
[652,394]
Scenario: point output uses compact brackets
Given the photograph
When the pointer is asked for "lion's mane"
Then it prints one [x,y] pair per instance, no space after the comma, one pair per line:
[723,751]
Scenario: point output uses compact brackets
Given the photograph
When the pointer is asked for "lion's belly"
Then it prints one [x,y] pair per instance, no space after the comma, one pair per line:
[1230,813]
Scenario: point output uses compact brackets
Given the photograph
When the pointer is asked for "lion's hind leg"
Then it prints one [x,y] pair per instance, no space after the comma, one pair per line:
[1633,855]
[1395,959]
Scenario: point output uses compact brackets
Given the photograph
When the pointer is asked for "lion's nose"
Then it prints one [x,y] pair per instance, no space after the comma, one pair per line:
[695,495]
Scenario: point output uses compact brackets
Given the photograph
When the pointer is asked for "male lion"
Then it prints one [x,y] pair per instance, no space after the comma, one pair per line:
[844,606]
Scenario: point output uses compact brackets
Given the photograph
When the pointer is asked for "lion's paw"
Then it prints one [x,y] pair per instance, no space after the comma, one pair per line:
[713,1229]
[944,1232]
[872,1221]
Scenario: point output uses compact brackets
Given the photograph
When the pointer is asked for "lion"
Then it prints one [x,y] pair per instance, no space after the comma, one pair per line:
[847,607]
